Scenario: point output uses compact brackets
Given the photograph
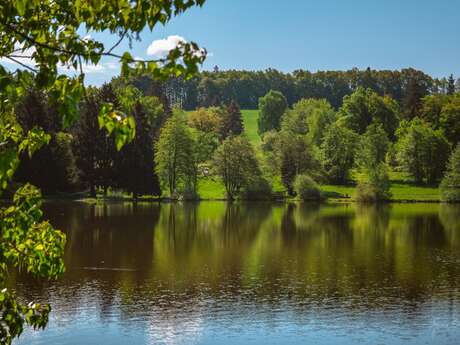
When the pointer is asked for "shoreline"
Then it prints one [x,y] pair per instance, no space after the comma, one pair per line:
[166,200]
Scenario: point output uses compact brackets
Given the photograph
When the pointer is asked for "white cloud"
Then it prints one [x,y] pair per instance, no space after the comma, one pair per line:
[161,48]
[21,55]
[102,67]
[99,68]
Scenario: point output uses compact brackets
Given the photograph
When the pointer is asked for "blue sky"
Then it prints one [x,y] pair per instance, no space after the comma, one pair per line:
[315,35]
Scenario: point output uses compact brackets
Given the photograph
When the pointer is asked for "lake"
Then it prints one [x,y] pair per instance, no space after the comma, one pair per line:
[258,273]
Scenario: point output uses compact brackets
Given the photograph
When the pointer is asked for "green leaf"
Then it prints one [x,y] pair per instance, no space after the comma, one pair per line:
[21,6]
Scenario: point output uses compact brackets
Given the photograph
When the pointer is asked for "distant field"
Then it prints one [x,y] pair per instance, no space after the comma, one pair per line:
[210,188]
[250,126]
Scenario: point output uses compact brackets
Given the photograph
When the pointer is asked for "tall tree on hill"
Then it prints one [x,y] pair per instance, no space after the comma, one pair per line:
[272,107]
[94,150]
[417,85]
[209,92]
[431,108]
[365,106]
[450,85]
[134,164]
[232,122]
[367,80]
[449,120]
[309,117]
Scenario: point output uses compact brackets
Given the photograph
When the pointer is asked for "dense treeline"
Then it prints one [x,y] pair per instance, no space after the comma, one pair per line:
[165,155]
[86,158]
[406,87]
[352,127]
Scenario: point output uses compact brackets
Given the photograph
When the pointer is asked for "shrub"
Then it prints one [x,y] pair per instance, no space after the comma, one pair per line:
[306,188]
[258,189]
[374,185]
[366,193]
[189,194]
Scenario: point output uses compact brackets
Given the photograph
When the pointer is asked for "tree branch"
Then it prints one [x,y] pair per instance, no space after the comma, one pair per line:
[122,36]
[85,55]
[22,64]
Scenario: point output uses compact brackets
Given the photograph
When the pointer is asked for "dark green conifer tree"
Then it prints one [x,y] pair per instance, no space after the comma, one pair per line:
[450,85]
[232,122]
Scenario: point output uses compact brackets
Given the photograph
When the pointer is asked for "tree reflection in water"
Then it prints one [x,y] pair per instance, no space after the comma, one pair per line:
[173,272]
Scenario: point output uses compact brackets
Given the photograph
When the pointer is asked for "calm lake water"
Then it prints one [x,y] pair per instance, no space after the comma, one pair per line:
[259,273]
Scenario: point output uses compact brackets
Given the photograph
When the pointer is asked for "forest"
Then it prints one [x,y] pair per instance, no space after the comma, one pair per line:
[252,135]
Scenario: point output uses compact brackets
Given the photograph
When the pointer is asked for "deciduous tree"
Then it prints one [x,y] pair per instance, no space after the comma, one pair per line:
[423,152]
[175,154]
[310,117]
[338,152]
[271,108]
[450,184]
[364,106]
[373,182]
[207,120]
[296,156]
[236,163]
[450,119]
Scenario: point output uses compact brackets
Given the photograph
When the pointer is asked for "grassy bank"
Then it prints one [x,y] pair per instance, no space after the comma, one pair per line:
[214,189]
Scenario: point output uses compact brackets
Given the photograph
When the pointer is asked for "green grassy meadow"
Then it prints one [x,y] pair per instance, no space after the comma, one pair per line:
[402,187]
[250,126]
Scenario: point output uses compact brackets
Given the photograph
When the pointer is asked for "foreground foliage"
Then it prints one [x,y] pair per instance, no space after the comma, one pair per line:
[41,37]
